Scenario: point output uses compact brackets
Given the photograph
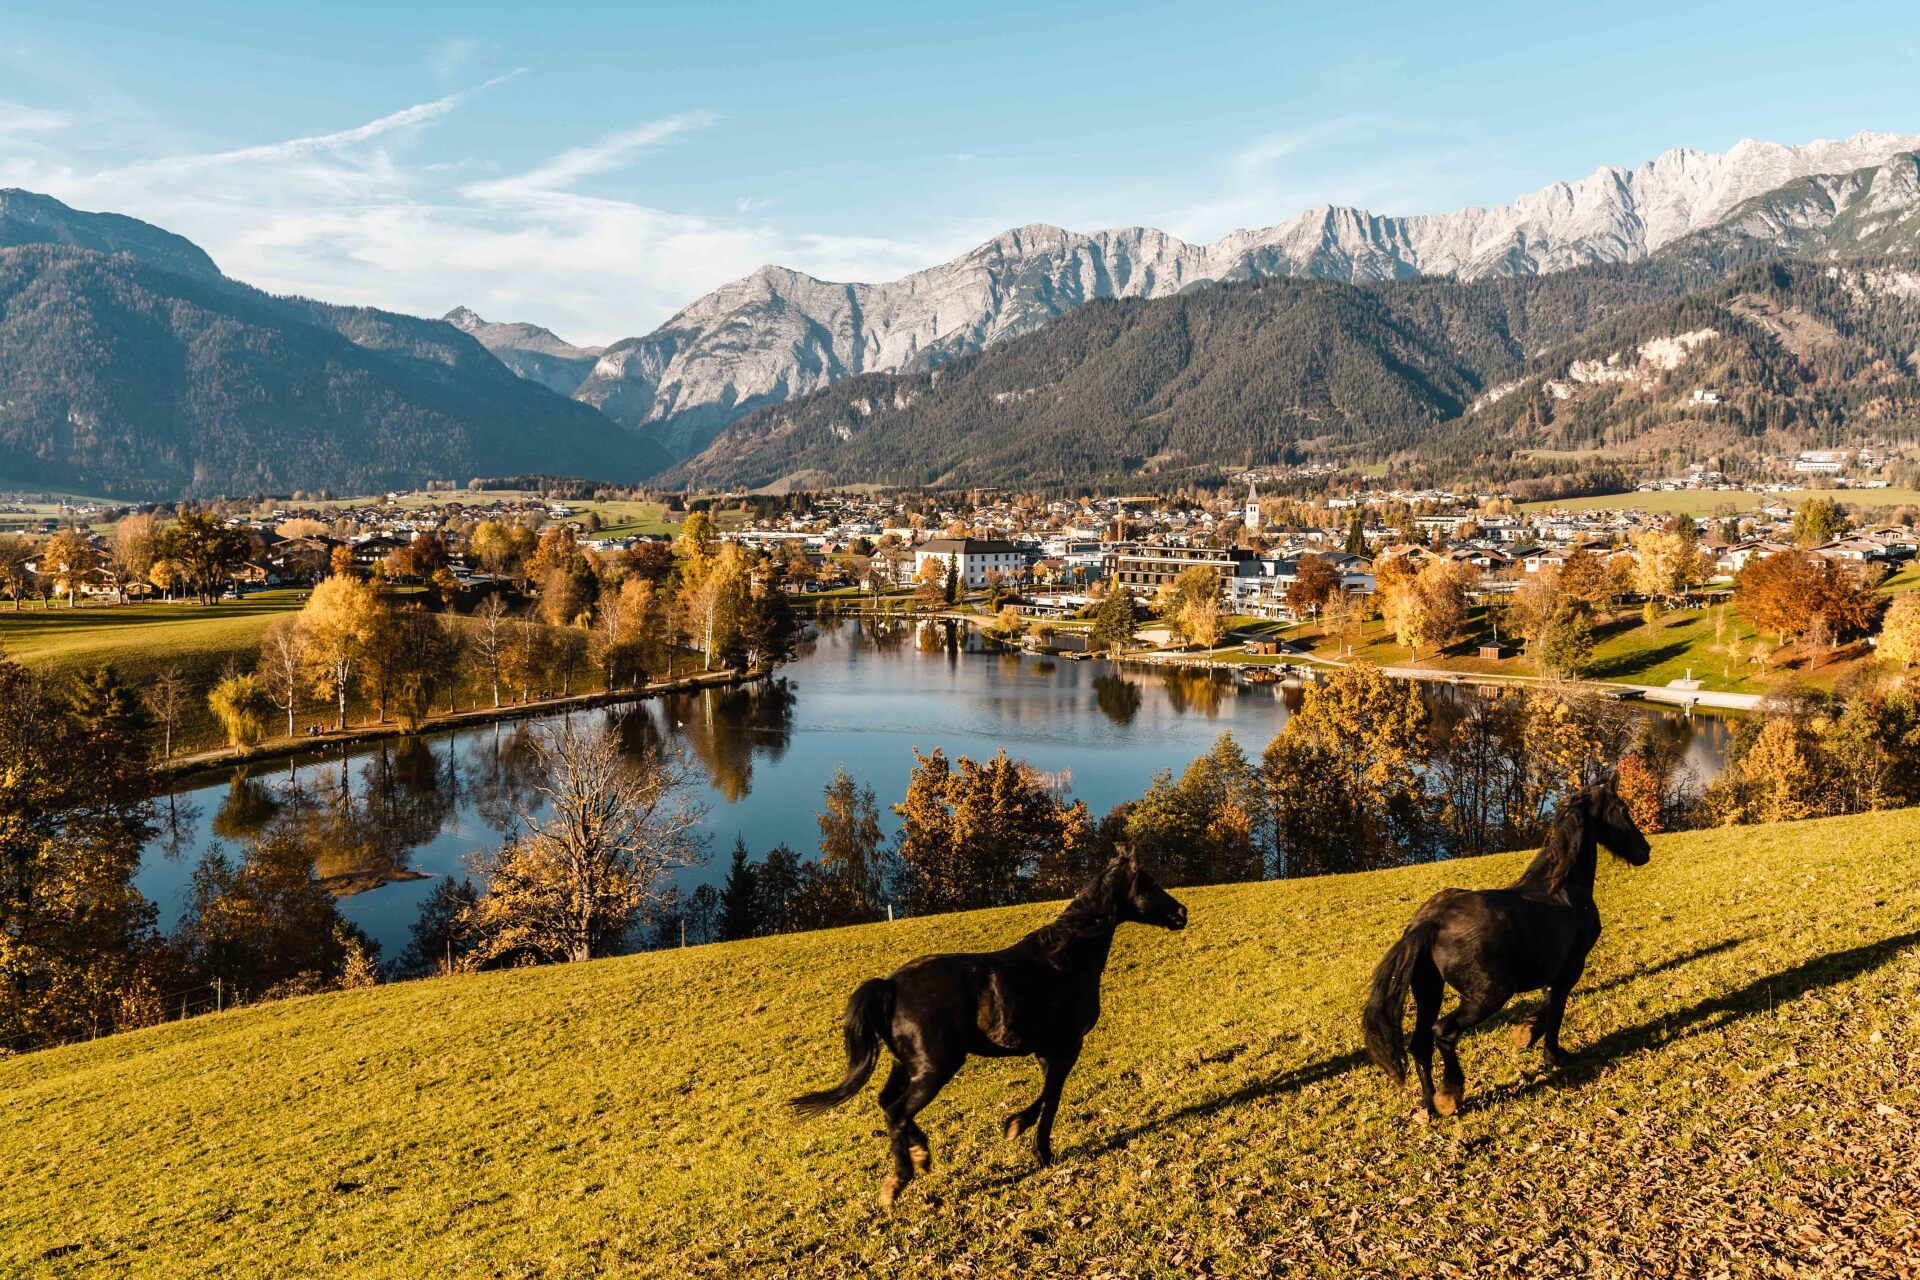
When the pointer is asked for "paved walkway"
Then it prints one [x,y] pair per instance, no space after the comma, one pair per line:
[1649,692]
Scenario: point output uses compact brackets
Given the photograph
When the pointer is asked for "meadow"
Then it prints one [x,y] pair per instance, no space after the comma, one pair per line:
[1701,503]
[1746,1103]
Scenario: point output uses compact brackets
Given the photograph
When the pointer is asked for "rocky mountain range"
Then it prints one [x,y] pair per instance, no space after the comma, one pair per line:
[1467,376]
[778,334]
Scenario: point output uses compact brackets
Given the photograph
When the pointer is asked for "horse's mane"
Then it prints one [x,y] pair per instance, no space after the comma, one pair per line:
[1093,911]
[1560,852]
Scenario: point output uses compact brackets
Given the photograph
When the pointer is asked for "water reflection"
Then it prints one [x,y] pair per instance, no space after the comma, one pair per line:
[864,695]
[1117,697]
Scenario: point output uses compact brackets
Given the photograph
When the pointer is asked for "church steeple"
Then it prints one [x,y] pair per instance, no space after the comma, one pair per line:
[1251,518]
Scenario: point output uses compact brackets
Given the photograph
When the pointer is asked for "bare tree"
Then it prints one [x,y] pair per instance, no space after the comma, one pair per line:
[595,864]
[282,666]
[167,697]
[490,638]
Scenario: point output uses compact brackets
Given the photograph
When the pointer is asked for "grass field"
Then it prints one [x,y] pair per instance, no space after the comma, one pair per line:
[141,640]
[140,637]
[1708,502]
[1627,651]
[1746,1104]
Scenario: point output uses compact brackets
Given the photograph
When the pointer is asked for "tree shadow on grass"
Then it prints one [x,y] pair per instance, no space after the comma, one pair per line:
[1627,664]
[1711,1014]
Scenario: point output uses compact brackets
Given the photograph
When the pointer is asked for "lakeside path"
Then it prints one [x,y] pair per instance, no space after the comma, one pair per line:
[1669,695]
[282,747]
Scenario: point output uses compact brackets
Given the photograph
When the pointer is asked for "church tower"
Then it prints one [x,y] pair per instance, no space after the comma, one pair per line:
[1252,517]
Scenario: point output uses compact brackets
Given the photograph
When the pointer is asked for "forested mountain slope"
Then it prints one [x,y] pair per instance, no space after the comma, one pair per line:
[119,377]
[1273,370]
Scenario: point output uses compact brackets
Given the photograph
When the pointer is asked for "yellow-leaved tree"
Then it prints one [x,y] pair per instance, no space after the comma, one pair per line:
[338,622]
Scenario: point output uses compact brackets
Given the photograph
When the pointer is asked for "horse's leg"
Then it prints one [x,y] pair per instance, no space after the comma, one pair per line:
[1476,1006]
[1022,1120]
[911,1153]
[1429,989]
[1057,1067]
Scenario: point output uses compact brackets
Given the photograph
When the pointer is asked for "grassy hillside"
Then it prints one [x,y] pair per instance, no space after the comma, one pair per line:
[1749,1104]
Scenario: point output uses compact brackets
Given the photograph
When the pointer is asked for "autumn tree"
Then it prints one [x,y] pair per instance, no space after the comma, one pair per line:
[851,867]
[67,560]
[78,948]
[982,835]
[1207,827]
[1667,563]
[206,548]
[423,661]
[1565,643]
[16,553]
[1900,630]
[1342,775]
[712,596]
[594,863]
[241,705]
[1115,619]
[1787,592]
[1816,522]
[265,926]
[1315,581]
[334,628]
[166,698]
[131,551]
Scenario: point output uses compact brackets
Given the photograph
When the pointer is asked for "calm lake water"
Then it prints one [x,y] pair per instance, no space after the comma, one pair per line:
[862,695]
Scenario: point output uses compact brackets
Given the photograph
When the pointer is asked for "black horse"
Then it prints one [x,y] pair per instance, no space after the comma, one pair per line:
[1039,996]
[1489,944]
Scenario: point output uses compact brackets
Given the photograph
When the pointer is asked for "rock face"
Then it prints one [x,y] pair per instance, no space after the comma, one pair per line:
[778,333]
[537,354]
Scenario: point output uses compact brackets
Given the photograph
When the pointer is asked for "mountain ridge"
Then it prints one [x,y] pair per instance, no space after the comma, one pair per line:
[778,333]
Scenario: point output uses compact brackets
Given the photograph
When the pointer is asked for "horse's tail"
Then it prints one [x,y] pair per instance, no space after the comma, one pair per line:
[869,1016]
[1385,1018]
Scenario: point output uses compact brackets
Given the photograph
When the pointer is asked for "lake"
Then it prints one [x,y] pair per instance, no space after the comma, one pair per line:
[864,695]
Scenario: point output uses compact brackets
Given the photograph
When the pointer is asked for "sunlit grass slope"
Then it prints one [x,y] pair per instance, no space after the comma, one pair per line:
[1749,1104]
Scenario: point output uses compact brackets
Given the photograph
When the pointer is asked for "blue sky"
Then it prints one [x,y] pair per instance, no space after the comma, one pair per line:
[594,167]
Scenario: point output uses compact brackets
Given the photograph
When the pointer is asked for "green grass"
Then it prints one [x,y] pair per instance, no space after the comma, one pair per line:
[1628,651]
[1746,1106]
[1707,502]
[141,640]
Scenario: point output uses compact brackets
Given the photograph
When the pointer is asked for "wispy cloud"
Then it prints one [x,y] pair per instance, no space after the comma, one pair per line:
[451,57]
[405,120]
[556,175]
[18,119]
[374,214]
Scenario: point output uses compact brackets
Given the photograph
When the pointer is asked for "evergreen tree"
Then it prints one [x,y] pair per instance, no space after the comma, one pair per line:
[740,897]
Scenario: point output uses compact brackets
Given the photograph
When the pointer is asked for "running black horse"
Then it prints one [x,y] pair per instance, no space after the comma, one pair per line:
[1040,996]
[1489,944]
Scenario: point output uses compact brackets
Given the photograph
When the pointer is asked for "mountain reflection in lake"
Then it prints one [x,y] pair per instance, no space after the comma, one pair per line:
[863,694]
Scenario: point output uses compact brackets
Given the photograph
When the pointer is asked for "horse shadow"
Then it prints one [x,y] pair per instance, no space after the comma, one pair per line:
[1297,1078]
[1714,1012]
[1594,1059]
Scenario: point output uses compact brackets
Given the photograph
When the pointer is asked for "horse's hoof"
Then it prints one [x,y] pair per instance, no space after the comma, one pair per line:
[888,1190]
[1016,1125]
[1446,1104]
[922,1159]
[1523,1037]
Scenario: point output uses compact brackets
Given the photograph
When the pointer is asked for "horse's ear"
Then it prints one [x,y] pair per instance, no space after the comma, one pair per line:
[1123,857]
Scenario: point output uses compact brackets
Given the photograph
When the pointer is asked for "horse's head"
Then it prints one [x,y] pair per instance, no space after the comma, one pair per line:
[1613,824]
[1138,897]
